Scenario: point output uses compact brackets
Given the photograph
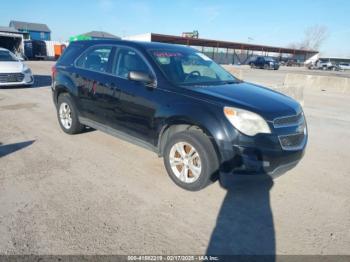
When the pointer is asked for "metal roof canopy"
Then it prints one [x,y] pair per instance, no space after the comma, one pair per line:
[225,44]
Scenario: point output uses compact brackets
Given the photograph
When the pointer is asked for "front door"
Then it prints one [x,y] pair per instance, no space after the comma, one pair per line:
[136,108]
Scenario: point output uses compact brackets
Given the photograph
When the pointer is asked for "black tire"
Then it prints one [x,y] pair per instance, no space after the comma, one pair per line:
[252,65]
[75,126]
[208,158]
[266,66]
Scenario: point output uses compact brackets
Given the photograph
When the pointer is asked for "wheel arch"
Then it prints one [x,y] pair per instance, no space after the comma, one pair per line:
[174,127]
[58,91]
[64,85]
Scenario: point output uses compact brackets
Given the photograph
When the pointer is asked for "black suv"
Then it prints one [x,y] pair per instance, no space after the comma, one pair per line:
[180,104]
[264,63]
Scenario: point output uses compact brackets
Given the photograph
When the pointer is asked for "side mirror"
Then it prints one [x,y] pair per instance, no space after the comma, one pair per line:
[141,77]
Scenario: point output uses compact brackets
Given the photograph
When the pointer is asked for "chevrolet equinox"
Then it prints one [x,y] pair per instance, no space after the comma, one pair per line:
[180,104]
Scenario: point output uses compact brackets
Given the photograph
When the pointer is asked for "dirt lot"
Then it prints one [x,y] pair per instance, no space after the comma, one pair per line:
[95,194]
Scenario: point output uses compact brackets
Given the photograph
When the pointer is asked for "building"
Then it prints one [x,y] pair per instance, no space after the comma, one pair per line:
[94,35]
[226,52]
[11,39]
[32,31]
[335,60]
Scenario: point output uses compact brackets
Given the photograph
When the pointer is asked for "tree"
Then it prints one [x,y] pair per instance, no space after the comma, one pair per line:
[314,36]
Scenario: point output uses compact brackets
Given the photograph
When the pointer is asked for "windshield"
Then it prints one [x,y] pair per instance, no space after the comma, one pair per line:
[190,68]
[6,56]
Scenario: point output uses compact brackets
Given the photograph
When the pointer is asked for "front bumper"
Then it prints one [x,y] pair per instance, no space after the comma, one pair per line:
[272,162]
[268,154]
[28,80]
[274,66]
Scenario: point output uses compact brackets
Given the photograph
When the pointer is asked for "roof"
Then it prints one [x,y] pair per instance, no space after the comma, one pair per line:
[140,44]
[9,29]
[225,44]
[30,26]
[101,34]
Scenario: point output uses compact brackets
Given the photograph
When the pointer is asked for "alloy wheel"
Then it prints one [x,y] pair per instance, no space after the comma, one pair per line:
[65,115]
[185,162]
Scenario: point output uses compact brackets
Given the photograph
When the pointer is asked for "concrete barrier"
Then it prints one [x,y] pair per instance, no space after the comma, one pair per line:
[328,83]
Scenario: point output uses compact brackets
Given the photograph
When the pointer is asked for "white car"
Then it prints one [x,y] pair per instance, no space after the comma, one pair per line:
[13,72]
[344,66]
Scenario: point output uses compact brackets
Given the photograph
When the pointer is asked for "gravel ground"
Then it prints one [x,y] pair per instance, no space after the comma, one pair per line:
[95,194]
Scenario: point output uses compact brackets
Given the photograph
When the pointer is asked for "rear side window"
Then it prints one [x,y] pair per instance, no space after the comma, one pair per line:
[96,59]
[128,60]
[70,54]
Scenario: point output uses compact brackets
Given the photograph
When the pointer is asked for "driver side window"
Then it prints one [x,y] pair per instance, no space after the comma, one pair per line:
[128,60]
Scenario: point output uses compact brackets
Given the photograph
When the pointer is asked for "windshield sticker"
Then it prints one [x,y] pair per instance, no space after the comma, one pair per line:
[167,54]
[163,60]
[204,57]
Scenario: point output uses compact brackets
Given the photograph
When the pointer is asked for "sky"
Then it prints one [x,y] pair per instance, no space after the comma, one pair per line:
[269,22]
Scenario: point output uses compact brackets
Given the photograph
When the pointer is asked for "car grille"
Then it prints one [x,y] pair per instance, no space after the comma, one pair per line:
[11,77]
[296,140]
[289,121]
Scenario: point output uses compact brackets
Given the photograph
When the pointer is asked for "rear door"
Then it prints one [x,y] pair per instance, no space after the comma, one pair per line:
[95,83]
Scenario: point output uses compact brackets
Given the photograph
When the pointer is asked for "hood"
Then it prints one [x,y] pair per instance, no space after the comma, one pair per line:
[11,67]
[258,99]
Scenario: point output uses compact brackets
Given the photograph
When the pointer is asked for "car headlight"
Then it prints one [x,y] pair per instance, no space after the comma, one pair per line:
[247,122]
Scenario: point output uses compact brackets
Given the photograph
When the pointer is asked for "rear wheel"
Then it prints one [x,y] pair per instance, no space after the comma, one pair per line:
[191,160]
[252,65]
[67,115]
[266,66]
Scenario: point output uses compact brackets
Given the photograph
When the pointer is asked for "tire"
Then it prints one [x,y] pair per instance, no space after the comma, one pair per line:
[266,66]
[208,162]
[252,66]
[73,126]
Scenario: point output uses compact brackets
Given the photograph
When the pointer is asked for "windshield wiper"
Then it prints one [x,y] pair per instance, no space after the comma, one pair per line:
[231,82]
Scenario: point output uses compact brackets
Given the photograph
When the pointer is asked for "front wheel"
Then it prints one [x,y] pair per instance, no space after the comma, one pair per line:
[191,160]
